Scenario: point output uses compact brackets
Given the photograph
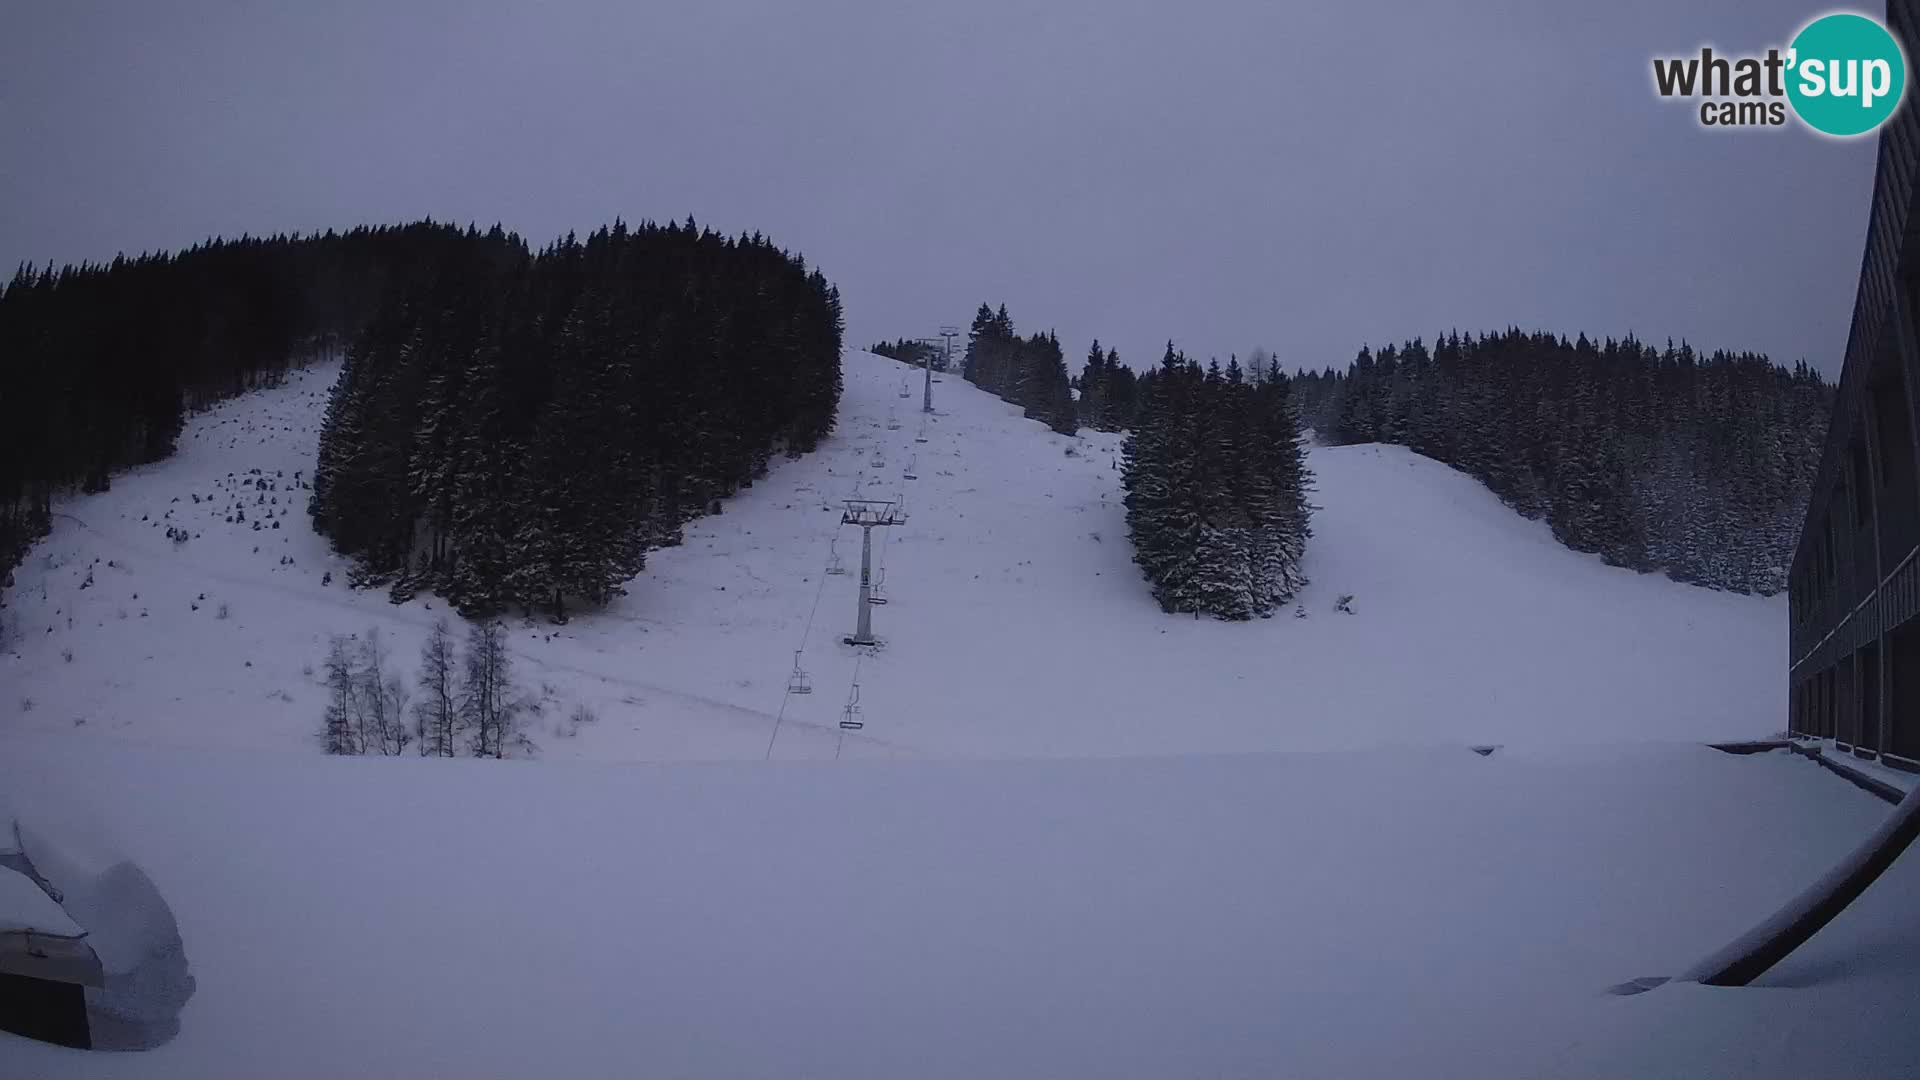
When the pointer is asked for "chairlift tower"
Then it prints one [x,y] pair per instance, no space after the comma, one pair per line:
[869,514]
[948,333]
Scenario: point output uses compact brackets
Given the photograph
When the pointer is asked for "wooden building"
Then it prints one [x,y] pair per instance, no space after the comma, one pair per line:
[1854,595]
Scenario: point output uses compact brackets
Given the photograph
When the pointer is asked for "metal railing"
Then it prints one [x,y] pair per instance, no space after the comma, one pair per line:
[1890,604]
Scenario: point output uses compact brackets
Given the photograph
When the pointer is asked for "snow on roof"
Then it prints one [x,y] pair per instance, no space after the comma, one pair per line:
[25,908]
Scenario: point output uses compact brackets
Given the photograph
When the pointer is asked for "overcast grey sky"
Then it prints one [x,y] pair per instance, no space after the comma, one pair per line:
[1304,177]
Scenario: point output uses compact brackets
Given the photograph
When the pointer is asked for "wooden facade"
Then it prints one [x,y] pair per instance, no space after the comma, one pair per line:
[1854,593]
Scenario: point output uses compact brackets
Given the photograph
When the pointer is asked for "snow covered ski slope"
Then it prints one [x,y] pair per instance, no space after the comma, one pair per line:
[1016,623]
[1391,905]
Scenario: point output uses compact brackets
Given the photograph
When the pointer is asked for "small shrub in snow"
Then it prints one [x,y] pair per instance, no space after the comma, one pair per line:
[26,704]
[221,612]
[1345,603]
[67,655]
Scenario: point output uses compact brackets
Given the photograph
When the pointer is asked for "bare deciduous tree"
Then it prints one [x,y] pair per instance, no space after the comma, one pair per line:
[384,700]
[344,720]
[366,706]
[438,713]
[487,705]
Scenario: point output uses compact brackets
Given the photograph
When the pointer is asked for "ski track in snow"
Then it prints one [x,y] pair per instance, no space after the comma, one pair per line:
[1017,624]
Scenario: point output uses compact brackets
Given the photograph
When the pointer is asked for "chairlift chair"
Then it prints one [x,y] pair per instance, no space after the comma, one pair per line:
[834,563]
[798,683]
[850,716]
[877,593]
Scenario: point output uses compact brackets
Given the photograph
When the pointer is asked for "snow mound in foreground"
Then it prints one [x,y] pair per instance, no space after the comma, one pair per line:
[1413,912]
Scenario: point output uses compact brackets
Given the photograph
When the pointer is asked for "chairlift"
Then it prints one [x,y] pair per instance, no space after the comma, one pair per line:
[798,683]
[850,716]
[834,563]
[904,392]
[877,592]
[911,463]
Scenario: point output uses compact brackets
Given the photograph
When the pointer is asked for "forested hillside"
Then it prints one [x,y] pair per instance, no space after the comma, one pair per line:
[1109,391]
[916,353]
[1664,460]
[519,431]
[1030,372]
[100,362]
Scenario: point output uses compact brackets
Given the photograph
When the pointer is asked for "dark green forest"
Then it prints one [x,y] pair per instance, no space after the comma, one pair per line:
[915,353]
[1698,466]
[519,431]
[1216,488]
[1030,372]
[509,428]
[101,362]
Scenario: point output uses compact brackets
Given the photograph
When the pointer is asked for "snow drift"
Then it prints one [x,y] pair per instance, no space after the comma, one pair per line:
[1392,913]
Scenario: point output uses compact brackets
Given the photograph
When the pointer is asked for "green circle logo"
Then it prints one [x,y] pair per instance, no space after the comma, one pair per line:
[1846,74]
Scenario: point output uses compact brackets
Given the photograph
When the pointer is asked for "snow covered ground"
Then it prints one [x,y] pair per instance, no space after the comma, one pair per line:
[1416,912]
[1017,624]
[1204,849]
